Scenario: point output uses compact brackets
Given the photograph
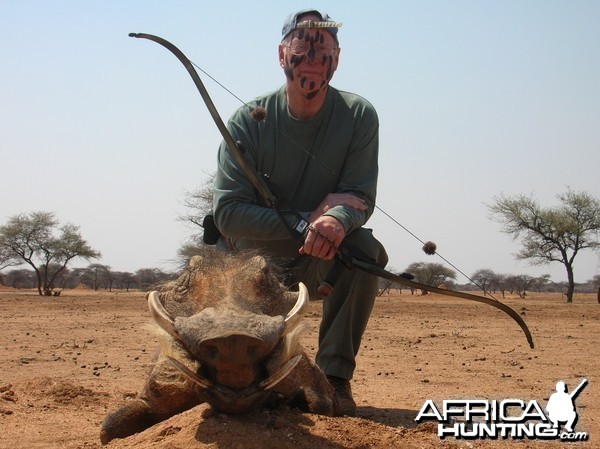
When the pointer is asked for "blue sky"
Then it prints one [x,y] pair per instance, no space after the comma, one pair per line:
[475,99]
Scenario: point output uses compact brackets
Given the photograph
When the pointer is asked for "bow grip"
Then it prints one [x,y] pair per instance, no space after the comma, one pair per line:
[343,261]
[331,278]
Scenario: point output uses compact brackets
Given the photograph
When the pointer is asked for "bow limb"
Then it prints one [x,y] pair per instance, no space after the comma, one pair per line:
[239,157]
[380,272]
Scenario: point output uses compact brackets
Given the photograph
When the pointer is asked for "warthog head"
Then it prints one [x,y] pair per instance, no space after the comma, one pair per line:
[231,333]
[237,326]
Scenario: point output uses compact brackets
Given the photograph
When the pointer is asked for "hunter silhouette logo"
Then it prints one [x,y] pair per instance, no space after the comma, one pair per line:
[561,405]
[509,418]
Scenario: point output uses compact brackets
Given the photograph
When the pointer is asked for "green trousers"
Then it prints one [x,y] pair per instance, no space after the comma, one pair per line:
[346,310]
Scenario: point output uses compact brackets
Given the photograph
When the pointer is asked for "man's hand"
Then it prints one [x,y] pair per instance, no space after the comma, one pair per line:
[325,233]
[324,236]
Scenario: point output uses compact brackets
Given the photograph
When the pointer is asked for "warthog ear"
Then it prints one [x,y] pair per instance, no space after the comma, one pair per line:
[195,261]
[259,263]
[261,273]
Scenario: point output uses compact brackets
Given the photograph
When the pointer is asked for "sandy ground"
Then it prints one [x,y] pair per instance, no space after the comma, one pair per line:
[67,361]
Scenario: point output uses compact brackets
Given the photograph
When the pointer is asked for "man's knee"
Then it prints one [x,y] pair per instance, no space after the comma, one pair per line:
[363,240]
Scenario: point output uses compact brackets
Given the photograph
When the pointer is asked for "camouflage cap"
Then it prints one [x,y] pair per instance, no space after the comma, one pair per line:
[292,23]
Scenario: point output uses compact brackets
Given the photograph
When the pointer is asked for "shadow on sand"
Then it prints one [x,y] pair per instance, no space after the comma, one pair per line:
[393,417]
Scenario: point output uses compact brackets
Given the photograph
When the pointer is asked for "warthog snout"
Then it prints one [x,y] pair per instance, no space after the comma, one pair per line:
[237,357]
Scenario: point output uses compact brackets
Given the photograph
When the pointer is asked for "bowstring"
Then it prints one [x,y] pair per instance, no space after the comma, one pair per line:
[330,171]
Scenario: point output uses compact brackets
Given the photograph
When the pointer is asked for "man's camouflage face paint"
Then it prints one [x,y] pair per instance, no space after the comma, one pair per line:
[296,66]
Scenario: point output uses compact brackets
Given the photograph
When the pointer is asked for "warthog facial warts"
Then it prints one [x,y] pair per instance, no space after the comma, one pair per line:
[230,337]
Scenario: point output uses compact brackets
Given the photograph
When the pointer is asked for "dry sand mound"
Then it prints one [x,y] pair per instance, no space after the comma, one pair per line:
[280,429]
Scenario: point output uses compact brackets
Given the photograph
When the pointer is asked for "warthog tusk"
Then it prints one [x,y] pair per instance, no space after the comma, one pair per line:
[161,316]
[203,382]
[294,316]
[281,374]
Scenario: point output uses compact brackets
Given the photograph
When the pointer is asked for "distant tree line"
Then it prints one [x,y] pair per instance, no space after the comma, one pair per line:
[94,277]
[437,275]
[548,235]
[102,277]
[39,240]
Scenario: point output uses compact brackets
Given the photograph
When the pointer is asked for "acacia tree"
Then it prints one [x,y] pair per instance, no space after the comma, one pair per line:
[124,280]
[596,281]
[37,240]
[554,234]
[499,283]
[484,279]
[199,204]
[541,282]
[385,285]
[519,284]
[96,276]
[432,274]
[148,278]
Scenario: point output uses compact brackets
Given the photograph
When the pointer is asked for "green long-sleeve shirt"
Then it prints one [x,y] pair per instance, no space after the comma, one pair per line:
[335,151]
